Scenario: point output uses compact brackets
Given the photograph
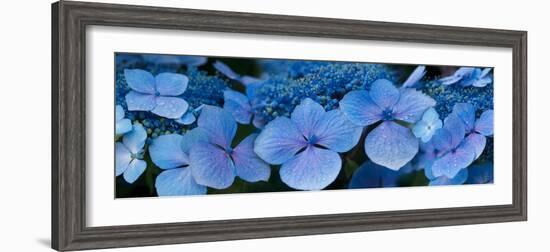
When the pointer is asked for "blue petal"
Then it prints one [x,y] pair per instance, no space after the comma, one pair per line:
[384,93]
[484,124]
[187,119]
[334,131]
[306,116]
[452,162]
[248,165]
[166,152]
[391,145]
[371,175]
[279,141]
[449,80]
[442,140]
[455,126]
[226,70]
[193,137]
[426,128]
[171,84]
[360,109]
[249,80]
[135,169]
[219,124]
[467,113]
[122,158]
[140,81]
[415,76]
[411,105]
[211,166]
[119,113]
[482,82]
[135,140]
[430,115]
[485,72]
[176,182]
[312,169]
[139,101]
[238,105]
[427,155]
[476,141]
[420,130]
[480,173]
[170,107]
[123,126]
[192,60]
[459,179]
[259,121]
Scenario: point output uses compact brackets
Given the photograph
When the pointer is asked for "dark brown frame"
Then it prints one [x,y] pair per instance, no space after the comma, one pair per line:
[69,21]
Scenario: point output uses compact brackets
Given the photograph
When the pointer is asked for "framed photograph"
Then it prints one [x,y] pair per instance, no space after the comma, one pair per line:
[177,125]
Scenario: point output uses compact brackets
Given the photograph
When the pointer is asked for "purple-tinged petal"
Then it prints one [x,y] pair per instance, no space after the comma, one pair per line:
[122,158]
[192,137]
[312,169]
[467,113]
[171,84]
[411,105]
[306,116]
[442,140]
[238,105]
[371,175]
[455,126]
[123,126]
[140,80]
[360,109]
[248,165]
[140,101]
[334,131]
[119,113]
[219,124]
[452,162]
[187,119]
[135,169]
[476,141]
[415,76]
[166,152]
[259,121]
[226,70]
[279,141]
[135,140]
[211,166]
[484,124]
[426,156]
[459,179]
[384,93]
[176,182]
[170,107]
[391,145]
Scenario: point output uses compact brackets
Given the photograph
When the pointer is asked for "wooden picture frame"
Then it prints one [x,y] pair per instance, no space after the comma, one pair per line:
[69,21]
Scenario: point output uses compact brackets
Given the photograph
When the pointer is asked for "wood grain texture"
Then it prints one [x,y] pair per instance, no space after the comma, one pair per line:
[69,22]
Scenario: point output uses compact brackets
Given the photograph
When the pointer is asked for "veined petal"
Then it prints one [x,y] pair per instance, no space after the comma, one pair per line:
[279,141]
[171,84]
[193,137]
[140,101]
[467,113]
[484,124]
[176,182]
[248,165]
[451,163]
[360,109]
[135,140]
[166,152]
[442,140]
[334,131]
[135,169]
[238,105]
[170,107]
[455,126]
[391,145]
[219,124]
[312,169]
[371,175]
[122,158]
[411,105]
[415,76]
[384,93]
[123,126]
[119,113]
[476,141]
[140,80]
[306,116]
[211,166]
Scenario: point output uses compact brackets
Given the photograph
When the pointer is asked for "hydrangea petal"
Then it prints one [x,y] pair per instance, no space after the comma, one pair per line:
[139,101]
[480,173]
[226,70]
[140,80]
[134,170]
[122,158]
[176,182]
[170,107]
[123,126]
[248,165]
[219,124]
[449,80]
[119,113]
[192,60]
[193,137]
[451,163]
[171,84]
[455,126]
[211,166]
[415,76]
[135,140]
[279,141]
[411,105]
[312,169]
[442,140]
[336,132]
[467,113]
[166,152]
[459,179]
[482,82]
[238,105]
[259,122]
[371,175]
[187,119]
[384,93]
[476,141]
[306,116]
[360,109]
[484,124]
[391,145]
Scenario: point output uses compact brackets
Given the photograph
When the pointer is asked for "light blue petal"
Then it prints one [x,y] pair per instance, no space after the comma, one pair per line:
[480,173]
[279,141]
[226,70]
[427,156]
[428,172]
[360,109]
[123,126]
[430,115]
[442,140]
[371,175]
[470,77]
[249,80]
[306,116]
[476,141]
[391,145]
[455,126]
[384,93]
[420,130]
[415,76]
[170,107]
[119,113]
[467,113]
[312,169]
[187,119]
[449,80]
[248,165]
[459,179]
[193,137]
[482,82]
[484,124]
[219,124]
[135,140]
[411,105]
[485,72]
[238,105]
[452,162]
[192,60]
[211,166]
[233,95]
[166,152]
[171,84]
[465,72]
[135,169]
[140,80]
[139,101]
[122,158]
[334,131]
[176,182]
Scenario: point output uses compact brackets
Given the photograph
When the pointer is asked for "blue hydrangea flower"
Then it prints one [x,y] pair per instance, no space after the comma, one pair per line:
[390,144]
[480,173]
[156,93]
[214,162]
[418,73]
[307,145]
[229,73]
[458,179]
[122,125]
[171,153]
[426,127]
[469,76]
[371,175]
[476,130]
[129,154]
[242,107]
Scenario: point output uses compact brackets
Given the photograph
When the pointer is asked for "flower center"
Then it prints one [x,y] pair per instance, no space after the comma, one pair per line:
[157,93]
[312,140]
[229,151]
[387,115]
